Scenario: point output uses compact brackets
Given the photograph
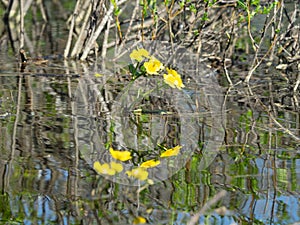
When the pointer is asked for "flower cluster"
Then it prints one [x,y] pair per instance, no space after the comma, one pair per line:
[139,172]
[147,64]
[108,169]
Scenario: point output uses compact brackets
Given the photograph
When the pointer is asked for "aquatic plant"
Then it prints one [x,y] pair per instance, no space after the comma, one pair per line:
[152,66]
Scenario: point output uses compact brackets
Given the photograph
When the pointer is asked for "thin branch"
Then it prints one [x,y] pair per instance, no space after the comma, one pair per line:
[105,40]
[21,2]
[256,63]
[68,45]
[83,34]
[99,29]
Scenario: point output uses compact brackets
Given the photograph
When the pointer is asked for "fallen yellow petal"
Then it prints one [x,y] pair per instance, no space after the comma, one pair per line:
[171,152]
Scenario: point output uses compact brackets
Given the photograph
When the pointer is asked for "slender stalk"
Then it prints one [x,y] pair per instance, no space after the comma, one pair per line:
[92,39]
[105,40]
[82,36]
[21,2]
[256,61]
[68,45]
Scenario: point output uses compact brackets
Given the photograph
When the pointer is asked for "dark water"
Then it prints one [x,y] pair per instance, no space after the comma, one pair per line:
[57,119]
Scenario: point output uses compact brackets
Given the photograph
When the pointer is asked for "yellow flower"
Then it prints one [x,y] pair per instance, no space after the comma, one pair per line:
[173,79]
[120,155]
[139,54]
[153,66]
[150,163]
[171,152]
[139,173]
[116,166]
[104,169]
[139,220]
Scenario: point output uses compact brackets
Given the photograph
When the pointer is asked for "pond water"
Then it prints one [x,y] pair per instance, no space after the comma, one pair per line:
[56,120]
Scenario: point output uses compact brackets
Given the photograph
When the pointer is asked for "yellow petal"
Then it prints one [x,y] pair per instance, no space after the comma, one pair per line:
[139,220]
[139,173]
[150,163]
[173,72]
[173,79]
[103,169]
[149,181]
[153,66]
[120,155]
[139,54]
[118,167]
[171,152]
[170,80]
[97,166]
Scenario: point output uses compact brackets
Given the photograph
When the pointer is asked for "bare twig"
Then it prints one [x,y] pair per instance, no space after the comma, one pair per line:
[92,40]
[135,10]
[273,118]
[68,45]
[256,61]
[21,2]
[82,35]
[43,11]
[105,40]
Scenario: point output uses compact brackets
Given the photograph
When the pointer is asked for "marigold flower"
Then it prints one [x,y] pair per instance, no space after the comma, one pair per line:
[139,54]
[173,79]
[120,155]
[153,66]
[104,169]
[171,152]
[150,163]
[139,173]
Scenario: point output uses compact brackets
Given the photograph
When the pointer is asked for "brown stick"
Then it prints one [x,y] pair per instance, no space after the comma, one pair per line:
[21,2]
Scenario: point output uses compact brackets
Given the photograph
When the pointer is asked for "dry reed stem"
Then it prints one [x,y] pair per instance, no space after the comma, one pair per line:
[82,35]
[21,2]
[92,40]
[69,42]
